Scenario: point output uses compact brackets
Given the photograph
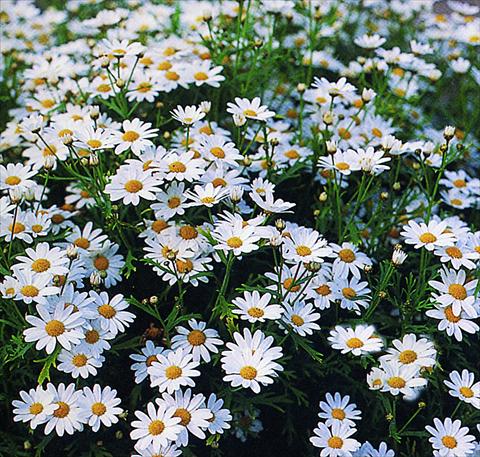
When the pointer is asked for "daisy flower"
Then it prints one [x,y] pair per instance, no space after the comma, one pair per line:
[305,245]
[450,439]
[181,167]
[203,73]
[335,441]
[130,184]
[369,41]
[250,109]
[411,351]
[100,406]
[221,418]
[429,236]
[453,323]
[217,148]
[94,138]
[236,237]
[170,450]
[62,326]
[459,256]
[170,201]
[188,115]
[194,417]
[348,259]
[43,260]
[16,176]
[96,339]
[88,238]
[352,293]
[402,379]
[342,161]
[255,308]
[135,136]
[172,370]
[455,291]
[35,406]
[67,417]
[337,409]
[271,205]
[359,340]
[110,312]
[464,387]
[372,161]
[33,287]
[106,262]
[145,360]
[79,362]
[158,428]
[320,290]
[249,362]
[207,195]
[198,339]
[300,318]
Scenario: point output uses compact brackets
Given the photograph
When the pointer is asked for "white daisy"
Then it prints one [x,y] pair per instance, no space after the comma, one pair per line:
[145,360]
[450,439]
[359,340]
[463,386]
[35,406]
[100,406]
[336,408]
[221,418]
[79,362]
[255,308]
[335,441]
[429,236]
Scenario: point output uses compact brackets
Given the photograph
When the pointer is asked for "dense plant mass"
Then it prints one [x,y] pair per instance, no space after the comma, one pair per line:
[240,228]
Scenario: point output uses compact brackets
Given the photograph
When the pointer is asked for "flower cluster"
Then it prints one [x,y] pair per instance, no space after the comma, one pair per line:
[248,202]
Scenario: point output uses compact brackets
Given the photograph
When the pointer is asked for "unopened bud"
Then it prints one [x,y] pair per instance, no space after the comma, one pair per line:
[49,162]
[236,194]
[95,279]
[15,194]
[313,267]
[206,106]
[449,132]
[120,83]
[384,196]
[94,112]
[323,197]
[367,268]
[328,117]
[239,119]
[67,139]
[29,194]
[104,62]
[301,87]
[93,159]
[396,186]
[72,252]
[153,300]
[331,146]
[280,225]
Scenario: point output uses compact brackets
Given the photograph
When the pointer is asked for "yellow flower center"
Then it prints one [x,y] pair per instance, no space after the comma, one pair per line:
[291,154]
[103,88]
[303,251]
[47,103]
[196,338]
[396,382]
[80,360]
[449,442]
[82,243]
[55,328]
[159,225]
[218,152]
[200,76]
[184,415]
[173,202]
[164,66]
[62,410]
[250,112]
[297,320]
[207,200]
[29,291]
[130,136]
[107,311]
[255,312]
[288,284]
[187,232]
[184,266]
[177,167]
[354,343]
[13,180]
[344,133]
[342,166]
[349,293]
[234,242]
[377,132]
[156,427]
[17,228]
[94,143]
[323,290]
[206,130]
[347,255]
[99,409]
[459,183]
[101,263]
[91,336]
[450,316]
[172,76]
[248,372]
[457,291]
[150,360]
[133,186]
[37,228]
[335,442]
[40,265]
[143,87]
[407,356]
[428,237]
[173,372]
[338,413]
[454,252]
[35,408]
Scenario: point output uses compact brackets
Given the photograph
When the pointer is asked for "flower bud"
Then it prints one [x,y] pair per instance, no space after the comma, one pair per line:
[15,194]
[449,132]
[328,118]
[93,159]
[239,119]
[94,112]
[67,139]
[301,87]
[280,225]
[72,252]
[120,83]
[95,279]
[331,146]
[398,256]
[153,300]
[206,106]
[104,62]
[323,197]
[236,194]
[49,162]
[396,186]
